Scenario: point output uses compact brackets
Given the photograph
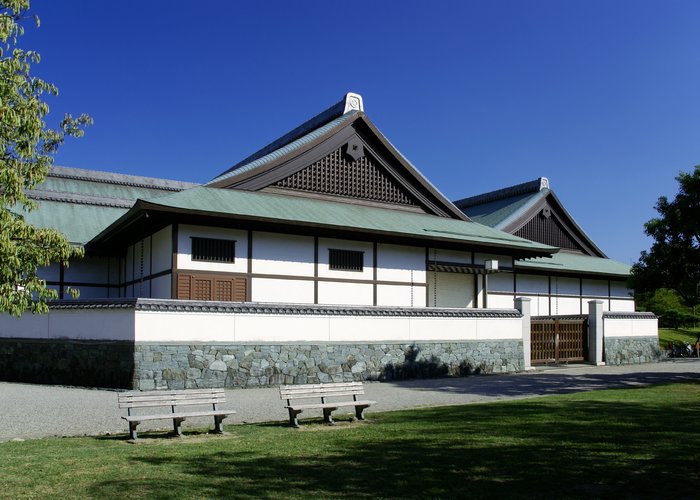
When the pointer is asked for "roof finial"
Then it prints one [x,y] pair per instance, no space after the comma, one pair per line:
[353,102]
[544,183]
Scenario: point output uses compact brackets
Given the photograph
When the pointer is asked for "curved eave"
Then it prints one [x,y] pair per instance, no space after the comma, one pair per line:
[142,211]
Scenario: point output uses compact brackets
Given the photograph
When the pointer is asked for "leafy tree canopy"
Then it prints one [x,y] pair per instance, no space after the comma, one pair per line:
[674,258]
[27,147]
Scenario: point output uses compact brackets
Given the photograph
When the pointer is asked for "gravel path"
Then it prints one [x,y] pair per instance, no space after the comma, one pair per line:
[30,411]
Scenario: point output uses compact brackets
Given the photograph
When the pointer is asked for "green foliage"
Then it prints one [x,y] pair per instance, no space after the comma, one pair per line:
[26,149]
[668,305]
[620,443]
[674,258]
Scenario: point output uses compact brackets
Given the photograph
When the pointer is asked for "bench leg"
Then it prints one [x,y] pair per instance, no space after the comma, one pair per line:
[219,424]
[358,411]
[132,430]
[327,418]
[293,422]
[177,426]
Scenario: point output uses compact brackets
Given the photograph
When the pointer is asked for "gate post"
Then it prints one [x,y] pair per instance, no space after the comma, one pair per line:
[595,332]
[522,304]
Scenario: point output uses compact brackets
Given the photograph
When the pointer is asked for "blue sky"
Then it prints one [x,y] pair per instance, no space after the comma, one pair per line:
[601,97]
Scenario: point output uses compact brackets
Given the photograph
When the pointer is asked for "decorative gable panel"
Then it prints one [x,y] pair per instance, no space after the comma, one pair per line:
[546,228]
[350,173]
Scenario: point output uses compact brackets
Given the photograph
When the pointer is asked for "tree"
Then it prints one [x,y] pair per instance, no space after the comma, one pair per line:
[27,147]
[674,258]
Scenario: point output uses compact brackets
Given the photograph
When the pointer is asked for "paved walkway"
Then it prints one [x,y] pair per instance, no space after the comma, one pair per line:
[32,411]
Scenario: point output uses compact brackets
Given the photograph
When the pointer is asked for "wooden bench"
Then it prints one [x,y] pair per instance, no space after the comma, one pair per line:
[156,400]
[332,397]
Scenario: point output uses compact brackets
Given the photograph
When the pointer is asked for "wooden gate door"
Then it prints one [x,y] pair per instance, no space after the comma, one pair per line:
[556,340]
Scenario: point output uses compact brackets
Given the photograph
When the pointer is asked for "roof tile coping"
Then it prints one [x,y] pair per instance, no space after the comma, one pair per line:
[120,179]
[629,315]
[171,305]
[501,194]
[349,103]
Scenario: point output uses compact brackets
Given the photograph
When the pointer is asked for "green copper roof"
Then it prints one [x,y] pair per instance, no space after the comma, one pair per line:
[342,216]
[80,223]
[498,213]
[285,149]
[81,203]
[576,263]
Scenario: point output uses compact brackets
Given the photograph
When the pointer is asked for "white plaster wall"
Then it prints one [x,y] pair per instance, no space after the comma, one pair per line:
[162,242]
[161,287]
[181,327]
[50,273]
[501,282]
[619,289]
[566,305]
[29,326]
[361,294]
[400,295]
[595,288]
[539,306]
[283,254]
[87,324]
[367,273]
[566,286]
[622,305]
[184,248]
[528,283]
[630,327]
[87,270]
[186,327]
[90,292]
[450,289]
[450,256]
[399,263]
[498,301]
[129,264]
[282,290]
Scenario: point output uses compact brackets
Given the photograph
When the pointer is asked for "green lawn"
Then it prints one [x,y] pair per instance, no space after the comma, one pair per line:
[689,335]
[634,442]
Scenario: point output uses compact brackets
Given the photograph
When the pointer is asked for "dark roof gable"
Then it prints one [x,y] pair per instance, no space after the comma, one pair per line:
[530,210]
[339,155]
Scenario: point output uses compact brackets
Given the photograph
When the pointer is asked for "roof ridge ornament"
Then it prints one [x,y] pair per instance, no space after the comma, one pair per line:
[544,183]
[353,102]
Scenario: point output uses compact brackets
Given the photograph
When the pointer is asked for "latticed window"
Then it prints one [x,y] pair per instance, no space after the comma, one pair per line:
[213,250]
[345,260]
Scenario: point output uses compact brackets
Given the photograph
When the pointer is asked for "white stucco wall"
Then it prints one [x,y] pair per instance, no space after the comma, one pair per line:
[450,290]
[282,290]
[630,327]
[281,254]
[184,248]
[324,244]
[401,295]
[330,292]
[399,263]
[162,243]
[82,324]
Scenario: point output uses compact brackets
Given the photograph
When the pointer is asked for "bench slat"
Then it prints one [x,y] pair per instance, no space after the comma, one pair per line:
[167,416]
[330,405]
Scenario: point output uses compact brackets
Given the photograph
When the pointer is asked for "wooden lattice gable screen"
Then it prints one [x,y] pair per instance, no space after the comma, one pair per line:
[549,226]
[342,174]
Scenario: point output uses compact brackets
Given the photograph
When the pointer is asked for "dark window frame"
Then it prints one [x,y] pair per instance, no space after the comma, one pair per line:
[346,260]
[217,250]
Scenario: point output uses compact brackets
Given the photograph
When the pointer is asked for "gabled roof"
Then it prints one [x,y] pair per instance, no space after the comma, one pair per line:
[342,124]
[80,203]
[501,207]
[512,208]
[297,213]
[575,264]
